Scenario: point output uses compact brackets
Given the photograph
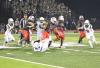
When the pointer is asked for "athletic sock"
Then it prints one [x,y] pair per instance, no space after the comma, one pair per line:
[80,40]
[49,43]
[61,43]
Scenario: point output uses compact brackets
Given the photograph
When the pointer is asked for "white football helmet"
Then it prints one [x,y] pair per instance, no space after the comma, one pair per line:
[53,19]
[81,17]
[87,22]
[10,20]
[31,18]
[41,19]
[61,18]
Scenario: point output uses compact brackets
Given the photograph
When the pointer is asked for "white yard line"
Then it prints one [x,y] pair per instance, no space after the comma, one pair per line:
[76,50]
[47,52]
[67,44]
[6,47]
[31,62]
[71,50]
[9,53]
[29,53]
[94,52]
[66,51]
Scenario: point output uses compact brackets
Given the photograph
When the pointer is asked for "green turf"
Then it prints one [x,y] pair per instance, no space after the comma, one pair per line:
[69,57]
[10,63]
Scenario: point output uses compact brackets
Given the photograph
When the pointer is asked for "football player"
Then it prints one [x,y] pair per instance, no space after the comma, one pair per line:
[89,33]
[9,27]
[58,28]
[44,39]
[26,33]
[80,28]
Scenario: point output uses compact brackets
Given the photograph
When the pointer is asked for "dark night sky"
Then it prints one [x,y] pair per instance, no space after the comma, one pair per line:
[90,8]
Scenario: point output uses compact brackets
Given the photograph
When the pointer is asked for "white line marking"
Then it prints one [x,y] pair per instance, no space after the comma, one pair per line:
[67,44]
[6,47]
[90,52]
[76,50]
[47,52]
[69,49]
[31,62]
[82,51]
[9,53]
[28,53]
[65,51]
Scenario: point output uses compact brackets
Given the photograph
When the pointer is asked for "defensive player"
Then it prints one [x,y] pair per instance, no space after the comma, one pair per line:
[26,33]
[80,28]
[58,28]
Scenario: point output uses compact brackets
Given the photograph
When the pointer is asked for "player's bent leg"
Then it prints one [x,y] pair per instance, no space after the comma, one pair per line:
[44,45]
[82,35]
[50,42]
[89,40]
[90,43]
[94,40]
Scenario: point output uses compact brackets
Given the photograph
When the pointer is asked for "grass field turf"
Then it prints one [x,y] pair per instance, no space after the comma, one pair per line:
[69,57]
[17,63]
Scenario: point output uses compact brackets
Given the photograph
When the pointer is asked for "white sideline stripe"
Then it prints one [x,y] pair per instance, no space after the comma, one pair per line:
[6,47]
[67,44]
[75,50]
[31,62]
[47,52]
[69,49]
[65,51]
[28,53]
[90,51]
[82,51]
[9,53]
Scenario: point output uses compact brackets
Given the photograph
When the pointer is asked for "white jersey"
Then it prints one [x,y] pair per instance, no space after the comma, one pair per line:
[39,30]
[11,24]
[41,46]
[8,36]
[89,32]
[88,29]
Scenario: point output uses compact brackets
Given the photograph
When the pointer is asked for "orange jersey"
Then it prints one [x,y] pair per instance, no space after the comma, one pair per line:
[59,33]
[25,34]
[45,35]
[82,34]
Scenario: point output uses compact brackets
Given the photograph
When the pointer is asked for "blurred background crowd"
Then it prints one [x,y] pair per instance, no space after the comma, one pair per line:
[46,8]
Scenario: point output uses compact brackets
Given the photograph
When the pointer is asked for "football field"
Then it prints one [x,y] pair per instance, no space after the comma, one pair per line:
[72,56]
[7,62]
